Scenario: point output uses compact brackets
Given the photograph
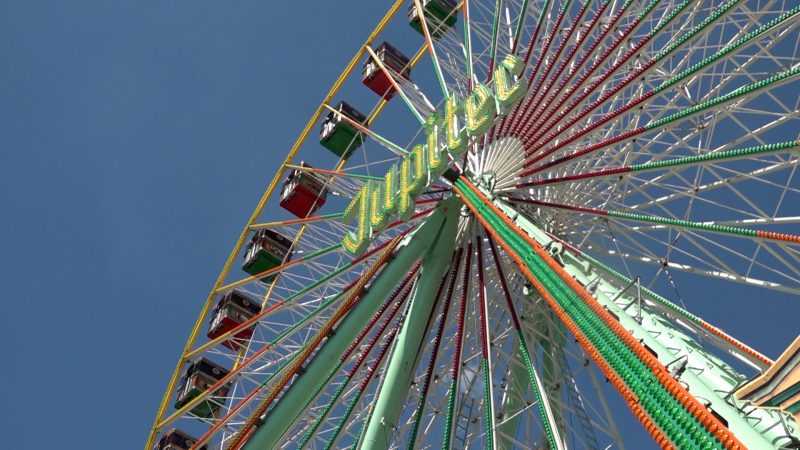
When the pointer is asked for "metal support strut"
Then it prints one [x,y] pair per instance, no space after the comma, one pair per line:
[289,407]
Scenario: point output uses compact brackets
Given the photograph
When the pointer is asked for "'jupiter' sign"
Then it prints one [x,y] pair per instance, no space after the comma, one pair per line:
[393,197]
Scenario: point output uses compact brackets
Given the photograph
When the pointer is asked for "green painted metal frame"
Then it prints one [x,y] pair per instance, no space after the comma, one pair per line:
[289,407]
[707,376]
[400,367]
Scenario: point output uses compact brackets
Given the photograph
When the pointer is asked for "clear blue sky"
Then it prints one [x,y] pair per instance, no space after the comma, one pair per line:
[125,132]
[135,139]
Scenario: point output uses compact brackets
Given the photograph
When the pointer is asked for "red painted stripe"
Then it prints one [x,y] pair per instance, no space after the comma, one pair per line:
[580,176]
[588,91]
[544,49]
[563,64]
[606,143]
[604,119]
[536,124]
[557,205]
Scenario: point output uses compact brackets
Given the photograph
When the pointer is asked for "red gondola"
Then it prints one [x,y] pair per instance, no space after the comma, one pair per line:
[376,79]
[232,309]
[175,439]
[303,192]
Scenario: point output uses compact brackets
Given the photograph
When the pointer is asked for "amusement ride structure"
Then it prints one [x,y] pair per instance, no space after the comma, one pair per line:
[504,271]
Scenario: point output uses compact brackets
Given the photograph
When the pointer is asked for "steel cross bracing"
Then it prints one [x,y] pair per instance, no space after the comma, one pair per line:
[287,409]
[665,336]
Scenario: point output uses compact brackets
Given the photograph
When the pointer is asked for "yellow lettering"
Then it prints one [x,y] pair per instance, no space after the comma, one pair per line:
[507,91]
[356,243]
[456,137]
[437,159]
[413,178]
[383,200]
[479,110]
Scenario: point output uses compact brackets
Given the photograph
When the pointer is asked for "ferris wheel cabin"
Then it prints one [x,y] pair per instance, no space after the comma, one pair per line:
[376,79]
[303,192]
[337,135]
[233,309]
[175,439]
[440,15]
[267,249]
[199,377]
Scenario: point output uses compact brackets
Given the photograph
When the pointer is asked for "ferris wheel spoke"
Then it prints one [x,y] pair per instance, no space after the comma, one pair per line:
[652,247]
[575,403]
[394,148]
[668,164]
[510,121]
[727,51]
[342,183]
[543,83]
[665,194]
[600,194]
[646,67]
[363,353]
[495,39]
[535,123]
[536,73]
[522,14]
[283,223]
[547,419]
[394,79]
[731,97]
[455,370]
[649,259]
[467,42]
[664,146]
[431,47]
[579,63]
[486,360]
[674,223]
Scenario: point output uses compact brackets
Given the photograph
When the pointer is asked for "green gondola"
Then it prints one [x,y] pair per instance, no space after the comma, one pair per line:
[440,16]
[339,136]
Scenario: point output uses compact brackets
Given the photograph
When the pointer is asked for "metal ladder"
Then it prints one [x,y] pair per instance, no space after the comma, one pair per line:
[463,423]
[575,400]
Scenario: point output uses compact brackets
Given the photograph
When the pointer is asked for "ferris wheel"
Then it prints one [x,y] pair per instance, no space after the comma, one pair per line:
[489,242]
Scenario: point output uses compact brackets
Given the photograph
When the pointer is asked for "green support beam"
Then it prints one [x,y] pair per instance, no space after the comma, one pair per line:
[400,367]
[513,400]
[289,406]
[706,376]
